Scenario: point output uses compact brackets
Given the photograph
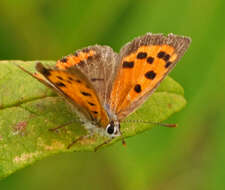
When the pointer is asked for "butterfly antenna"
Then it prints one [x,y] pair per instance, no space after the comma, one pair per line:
[150,122]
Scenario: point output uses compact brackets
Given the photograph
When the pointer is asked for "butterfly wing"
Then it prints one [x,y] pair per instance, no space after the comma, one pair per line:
[144,63]
[98,64]
[77,89]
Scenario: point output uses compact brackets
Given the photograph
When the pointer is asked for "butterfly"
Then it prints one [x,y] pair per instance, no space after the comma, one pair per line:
[105,87]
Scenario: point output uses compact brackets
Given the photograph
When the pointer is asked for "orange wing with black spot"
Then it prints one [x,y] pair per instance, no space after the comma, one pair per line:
[144,63]
[76,88]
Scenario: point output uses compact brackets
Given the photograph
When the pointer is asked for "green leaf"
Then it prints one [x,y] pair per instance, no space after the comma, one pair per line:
[28,109]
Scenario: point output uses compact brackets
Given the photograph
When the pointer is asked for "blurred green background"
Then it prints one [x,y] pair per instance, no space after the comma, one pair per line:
[191,156]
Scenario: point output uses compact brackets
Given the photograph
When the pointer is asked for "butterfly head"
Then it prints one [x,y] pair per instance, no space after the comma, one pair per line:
[113,129]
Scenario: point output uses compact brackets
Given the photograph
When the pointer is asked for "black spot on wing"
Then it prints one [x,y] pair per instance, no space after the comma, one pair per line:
[128,64]
[150,75]
[69,81]
[142,55]
[64,60]
[60,84]
[161,54]
[85,93]
[90,103]
[150,60]
[70,78]
[166,57]
[59,77]
[86,50]
[81,63]
[168,64]
[137,88]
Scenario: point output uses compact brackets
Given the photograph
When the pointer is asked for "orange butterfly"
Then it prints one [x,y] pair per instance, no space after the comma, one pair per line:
[105,87]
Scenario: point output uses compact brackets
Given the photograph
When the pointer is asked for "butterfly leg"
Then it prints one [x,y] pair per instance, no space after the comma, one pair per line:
[104,143]
[61,126]
[64,125]
[78,139]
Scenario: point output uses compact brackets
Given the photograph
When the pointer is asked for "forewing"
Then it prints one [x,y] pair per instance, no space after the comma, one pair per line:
[144,63]
[77,89]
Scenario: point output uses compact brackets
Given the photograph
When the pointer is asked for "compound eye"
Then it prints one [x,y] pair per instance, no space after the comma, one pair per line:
[110,129]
